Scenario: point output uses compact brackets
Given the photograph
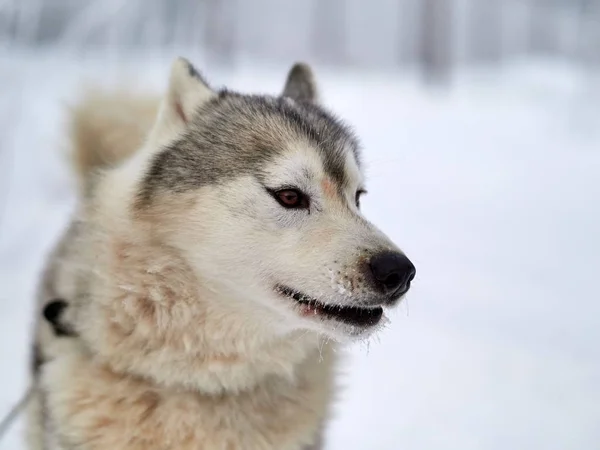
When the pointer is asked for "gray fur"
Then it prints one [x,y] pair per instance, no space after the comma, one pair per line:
[235,134]
[300,84]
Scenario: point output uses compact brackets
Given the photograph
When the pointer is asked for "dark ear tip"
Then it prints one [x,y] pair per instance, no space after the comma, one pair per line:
[300,84]
[191,69]
[301,69]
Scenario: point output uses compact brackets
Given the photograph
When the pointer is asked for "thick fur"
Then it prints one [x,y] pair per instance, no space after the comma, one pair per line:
[178,335]
[108,127]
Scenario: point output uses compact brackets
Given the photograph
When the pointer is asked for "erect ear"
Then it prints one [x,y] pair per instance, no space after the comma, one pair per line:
[187,91]
[300,84]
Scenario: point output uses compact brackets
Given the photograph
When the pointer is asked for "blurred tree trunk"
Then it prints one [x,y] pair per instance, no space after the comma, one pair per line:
[589,34]
[408,31]
[328,34]
[219,30]
[542,33]
[485,30]
[435,47]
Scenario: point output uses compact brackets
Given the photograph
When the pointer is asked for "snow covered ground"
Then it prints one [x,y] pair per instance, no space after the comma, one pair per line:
[493,189]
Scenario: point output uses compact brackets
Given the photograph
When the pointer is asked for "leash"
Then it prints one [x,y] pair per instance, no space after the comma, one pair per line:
[10,417]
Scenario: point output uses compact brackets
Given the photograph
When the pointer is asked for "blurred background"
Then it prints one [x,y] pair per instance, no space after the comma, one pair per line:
[436,36]
[480,121]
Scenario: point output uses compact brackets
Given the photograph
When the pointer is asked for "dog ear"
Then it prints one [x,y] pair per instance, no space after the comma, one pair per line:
[300,84]
[187,92]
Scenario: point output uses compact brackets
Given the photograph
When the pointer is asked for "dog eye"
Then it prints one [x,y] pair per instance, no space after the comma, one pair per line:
[359,193]
[291,198]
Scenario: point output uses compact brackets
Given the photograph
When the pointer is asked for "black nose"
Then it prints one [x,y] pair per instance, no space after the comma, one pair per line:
[392,271]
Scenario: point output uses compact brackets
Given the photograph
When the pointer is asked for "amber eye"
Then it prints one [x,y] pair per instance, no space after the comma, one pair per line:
[291,198]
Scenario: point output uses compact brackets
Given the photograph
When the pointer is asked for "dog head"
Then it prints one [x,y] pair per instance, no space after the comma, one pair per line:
[261,195]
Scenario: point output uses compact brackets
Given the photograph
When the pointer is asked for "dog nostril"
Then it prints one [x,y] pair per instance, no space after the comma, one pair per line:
[392,271]
[392,281]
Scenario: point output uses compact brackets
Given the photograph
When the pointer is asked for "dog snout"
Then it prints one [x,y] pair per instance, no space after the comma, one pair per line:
[392,272]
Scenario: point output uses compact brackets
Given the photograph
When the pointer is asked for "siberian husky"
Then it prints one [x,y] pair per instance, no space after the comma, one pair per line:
[217,258]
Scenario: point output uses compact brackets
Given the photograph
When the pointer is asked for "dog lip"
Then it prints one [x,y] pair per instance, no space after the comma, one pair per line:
[352,315]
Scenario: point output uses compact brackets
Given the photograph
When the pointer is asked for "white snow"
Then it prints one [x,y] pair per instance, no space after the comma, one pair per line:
[492,188]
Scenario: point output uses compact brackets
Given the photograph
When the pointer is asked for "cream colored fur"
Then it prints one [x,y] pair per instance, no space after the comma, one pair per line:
[108,127]
[163,360]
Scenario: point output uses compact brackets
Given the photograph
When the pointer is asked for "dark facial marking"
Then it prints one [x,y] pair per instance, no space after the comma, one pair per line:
[233,135]
[330,136]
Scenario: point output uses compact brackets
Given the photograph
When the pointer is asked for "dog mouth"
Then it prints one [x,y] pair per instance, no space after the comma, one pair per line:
[351,315]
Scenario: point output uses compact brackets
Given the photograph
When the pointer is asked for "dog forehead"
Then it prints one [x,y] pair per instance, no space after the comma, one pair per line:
[301,162]
[236,135]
